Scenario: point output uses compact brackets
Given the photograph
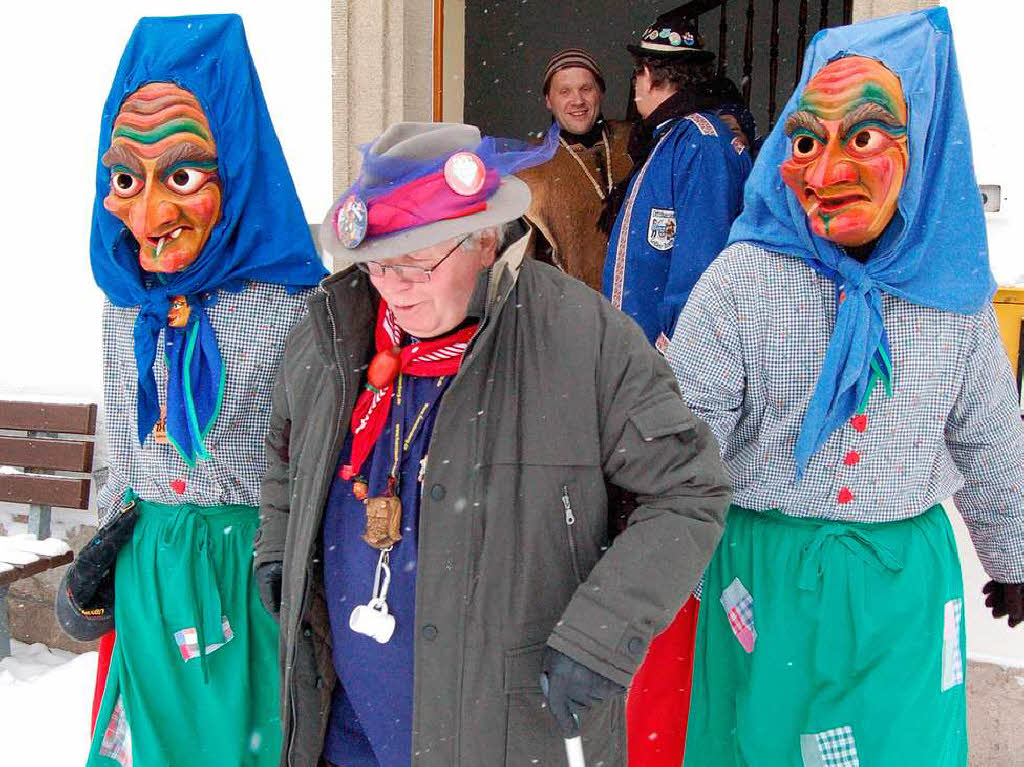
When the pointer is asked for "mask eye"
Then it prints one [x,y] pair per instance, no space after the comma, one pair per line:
[124,184]
[867,141]
[805,146]
[186,180]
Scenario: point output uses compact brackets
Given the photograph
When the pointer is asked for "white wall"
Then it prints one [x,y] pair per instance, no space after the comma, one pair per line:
[58,60]
[988,46]
[987,38]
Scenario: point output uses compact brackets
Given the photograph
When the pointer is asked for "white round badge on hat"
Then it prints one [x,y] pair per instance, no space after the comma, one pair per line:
[464,173]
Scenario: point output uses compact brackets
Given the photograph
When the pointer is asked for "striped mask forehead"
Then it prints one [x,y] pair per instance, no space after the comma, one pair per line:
[852,82]
[159,115]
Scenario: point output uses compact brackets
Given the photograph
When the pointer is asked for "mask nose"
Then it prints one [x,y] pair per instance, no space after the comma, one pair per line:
[832,167]
[158,211]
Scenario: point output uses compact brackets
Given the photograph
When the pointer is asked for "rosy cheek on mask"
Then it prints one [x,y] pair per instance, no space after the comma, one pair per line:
[201,209]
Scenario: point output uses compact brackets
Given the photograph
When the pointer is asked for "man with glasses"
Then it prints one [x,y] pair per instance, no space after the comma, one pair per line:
[443,427]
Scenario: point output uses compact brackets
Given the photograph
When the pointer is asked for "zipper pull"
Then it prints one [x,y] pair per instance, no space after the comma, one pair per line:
[570,518]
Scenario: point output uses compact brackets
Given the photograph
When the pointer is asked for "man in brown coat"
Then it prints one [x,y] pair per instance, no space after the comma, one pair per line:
[568,192]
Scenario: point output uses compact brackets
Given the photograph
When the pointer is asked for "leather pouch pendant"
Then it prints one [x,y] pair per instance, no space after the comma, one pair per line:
[383,521]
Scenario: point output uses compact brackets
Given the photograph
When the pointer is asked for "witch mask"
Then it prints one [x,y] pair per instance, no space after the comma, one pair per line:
[848,150]
[163,175]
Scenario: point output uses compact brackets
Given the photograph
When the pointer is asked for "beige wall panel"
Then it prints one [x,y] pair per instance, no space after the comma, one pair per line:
[870,9]
[381,58]
[454,85]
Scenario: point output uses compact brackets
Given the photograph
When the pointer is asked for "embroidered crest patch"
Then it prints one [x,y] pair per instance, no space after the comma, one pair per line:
[661,229]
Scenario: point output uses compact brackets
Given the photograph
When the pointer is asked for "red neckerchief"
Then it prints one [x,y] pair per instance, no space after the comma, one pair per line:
[436,357]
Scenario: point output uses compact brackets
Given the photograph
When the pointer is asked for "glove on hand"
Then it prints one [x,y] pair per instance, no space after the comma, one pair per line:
[1005,599]
[90,578]
[572,688]
[268,577]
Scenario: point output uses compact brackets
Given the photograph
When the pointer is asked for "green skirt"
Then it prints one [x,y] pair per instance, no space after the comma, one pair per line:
[830,644]
[193,676]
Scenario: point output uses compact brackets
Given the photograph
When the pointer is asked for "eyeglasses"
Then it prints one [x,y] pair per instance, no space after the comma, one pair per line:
[406,272]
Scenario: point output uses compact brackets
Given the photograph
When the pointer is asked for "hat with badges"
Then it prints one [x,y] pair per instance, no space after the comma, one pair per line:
[424,183]
[672,34]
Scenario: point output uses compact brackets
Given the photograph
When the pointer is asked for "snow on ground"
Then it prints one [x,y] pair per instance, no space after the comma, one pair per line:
[45,706]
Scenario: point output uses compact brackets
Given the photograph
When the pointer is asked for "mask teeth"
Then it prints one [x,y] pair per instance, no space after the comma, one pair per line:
[159,247]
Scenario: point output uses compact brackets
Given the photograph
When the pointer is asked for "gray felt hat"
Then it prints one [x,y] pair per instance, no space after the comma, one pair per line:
[407,144]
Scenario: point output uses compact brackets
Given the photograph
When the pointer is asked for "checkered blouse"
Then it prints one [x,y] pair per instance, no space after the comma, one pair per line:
[747,351]
[251,328]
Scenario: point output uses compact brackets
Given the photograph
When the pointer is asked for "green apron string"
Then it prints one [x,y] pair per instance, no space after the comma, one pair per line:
[859,542]
[203,591]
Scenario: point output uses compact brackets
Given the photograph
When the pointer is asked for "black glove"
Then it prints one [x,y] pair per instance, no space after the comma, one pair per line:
[1005,599]
[571,688]
[268,577]
[90,579]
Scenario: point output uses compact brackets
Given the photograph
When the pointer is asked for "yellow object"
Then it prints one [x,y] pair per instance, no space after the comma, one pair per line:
[1009,303]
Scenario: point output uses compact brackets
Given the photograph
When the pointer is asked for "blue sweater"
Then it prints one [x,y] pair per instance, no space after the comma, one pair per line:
[371,711]
[675,220]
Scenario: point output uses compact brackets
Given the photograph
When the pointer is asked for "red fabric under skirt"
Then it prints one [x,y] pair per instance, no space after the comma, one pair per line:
[102,667]
[658,703]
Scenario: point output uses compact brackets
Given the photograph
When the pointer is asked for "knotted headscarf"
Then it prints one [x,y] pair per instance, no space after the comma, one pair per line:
[261,234]
[934,252]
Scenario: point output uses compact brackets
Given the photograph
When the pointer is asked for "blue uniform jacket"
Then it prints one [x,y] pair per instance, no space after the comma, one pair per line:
[674,221]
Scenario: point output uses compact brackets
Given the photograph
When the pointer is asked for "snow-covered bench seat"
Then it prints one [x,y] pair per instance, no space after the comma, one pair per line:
[47,440]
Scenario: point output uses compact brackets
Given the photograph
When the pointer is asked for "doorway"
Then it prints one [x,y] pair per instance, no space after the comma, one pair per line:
[502,48]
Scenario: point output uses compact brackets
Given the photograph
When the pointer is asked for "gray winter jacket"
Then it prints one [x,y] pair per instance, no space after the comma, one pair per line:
[557,393]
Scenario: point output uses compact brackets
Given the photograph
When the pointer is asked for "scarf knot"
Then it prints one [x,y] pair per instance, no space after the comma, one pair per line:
[434,357]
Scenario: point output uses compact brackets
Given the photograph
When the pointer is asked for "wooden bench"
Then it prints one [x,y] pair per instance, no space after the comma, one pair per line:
[29,477]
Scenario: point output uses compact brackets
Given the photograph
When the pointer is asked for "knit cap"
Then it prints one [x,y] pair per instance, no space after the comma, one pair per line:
[572,57]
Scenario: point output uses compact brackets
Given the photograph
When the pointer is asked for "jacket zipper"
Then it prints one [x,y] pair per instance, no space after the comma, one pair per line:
[570,520]
[323,494]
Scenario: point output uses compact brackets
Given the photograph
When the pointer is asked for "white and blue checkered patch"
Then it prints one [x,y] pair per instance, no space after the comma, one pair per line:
[831,748]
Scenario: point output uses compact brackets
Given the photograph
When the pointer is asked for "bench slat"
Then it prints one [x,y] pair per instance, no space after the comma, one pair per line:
[59,418]
[46,491]
[60,454]
[34,568]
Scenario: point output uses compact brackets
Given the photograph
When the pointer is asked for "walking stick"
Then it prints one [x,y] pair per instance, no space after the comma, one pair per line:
[573,746]
[574,752]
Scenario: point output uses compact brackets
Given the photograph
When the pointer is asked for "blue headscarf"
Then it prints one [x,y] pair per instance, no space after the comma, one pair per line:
[261,235]
[934,251]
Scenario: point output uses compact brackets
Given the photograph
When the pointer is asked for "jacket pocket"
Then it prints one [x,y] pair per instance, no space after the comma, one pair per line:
[523,666]
[531,735]
[662,417]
